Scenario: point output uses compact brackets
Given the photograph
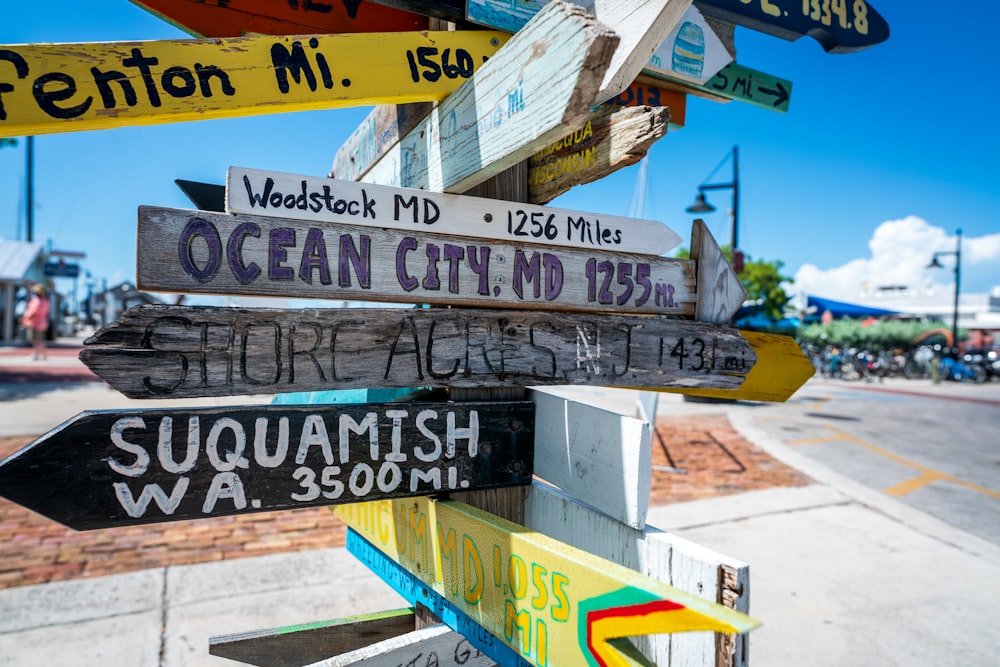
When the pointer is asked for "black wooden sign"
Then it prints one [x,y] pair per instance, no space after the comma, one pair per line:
[190,351]
[840,26]
[113,468]
[446,10]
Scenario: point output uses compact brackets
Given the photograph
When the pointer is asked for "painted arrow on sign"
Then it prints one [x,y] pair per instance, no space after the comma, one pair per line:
[765,382]
[236,18]
[69,87]
[657,554]
[110,468]
[213,253]
[840,26]
[552,604]
[736,82]
[183,352]
[327,200]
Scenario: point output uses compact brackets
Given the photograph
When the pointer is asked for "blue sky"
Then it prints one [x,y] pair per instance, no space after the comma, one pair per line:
[881,156]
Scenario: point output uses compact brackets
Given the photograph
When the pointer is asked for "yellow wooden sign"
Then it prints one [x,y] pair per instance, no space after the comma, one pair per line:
[553,604]
[780,370]
[48,88]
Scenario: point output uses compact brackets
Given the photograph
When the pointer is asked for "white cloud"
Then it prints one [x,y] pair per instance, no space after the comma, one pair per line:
[900,252]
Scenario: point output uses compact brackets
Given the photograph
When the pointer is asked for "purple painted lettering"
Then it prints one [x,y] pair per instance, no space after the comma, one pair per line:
[280,238]
[454,254]
[360,260]
[314,257]
[432,281]
[244,273]
[529,270]
[199,227]
[553,276]
[481,267]
[406,281]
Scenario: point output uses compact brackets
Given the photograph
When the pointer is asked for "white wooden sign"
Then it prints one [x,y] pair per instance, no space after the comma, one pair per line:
[658,555]
[595,454]
[691,52]
[216,253]
[327,200]
[437,646]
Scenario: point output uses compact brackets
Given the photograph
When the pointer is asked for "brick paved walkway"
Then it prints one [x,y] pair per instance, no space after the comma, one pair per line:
[715,459]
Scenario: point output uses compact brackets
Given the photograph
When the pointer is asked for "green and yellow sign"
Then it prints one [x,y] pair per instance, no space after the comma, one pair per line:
[553,604]
[47,88]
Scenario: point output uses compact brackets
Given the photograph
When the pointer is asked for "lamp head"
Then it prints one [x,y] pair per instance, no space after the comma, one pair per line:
[935,264]
[700,205]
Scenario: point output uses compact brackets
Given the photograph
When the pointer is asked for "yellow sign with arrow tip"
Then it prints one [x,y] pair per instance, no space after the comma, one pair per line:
[47,88]
[780,370]
[555,605]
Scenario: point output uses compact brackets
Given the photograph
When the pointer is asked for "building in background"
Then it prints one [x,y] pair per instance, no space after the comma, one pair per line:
[22,265]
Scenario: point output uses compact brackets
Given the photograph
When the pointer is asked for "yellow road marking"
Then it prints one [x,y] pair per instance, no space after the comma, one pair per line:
[913,484]
[814,441]
[927,476]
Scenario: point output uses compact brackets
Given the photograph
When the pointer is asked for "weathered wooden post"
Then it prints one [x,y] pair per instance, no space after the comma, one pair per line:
[431,204]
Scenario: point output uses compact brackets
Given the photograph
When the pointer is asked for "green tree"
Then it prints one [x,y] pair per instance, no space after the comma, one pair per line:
[7,141]
[762,280]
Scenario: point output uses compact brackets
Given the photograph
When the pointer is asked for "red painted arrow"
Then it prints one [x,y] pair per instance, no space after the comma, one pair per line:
[607,628]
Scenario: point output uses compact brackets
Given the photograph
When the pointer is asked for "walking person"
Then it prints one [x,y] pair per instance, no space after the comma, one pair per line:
[36,321]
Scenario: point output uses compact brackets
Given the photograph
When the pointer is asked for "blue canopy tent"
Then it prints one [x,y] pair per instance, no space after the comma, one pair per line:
[816,306]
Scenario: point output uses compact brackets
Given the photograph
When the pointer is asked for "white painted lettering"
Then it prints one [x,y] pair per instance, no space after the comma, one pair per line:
[150,492]
[141,463]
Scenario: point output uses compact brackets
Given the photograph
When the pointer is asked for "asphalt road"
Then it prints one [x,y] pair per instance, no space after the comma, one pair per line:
[935,447]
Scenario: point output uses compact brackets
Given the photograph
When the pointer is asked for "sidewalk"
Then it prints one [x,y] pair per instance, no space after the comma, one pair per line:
[841,575]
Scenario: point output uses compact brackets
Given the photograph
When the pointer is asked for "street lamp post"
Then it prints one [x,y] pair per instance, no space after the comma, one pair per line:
[935,264]
[701,205]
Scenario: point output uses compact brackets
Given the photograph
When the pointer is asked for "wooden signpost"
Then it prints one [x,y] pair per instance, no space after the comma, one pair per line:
[551,603]
[104,469]
[660,555]
[760,89]
[557,67]
[840,26]
[68,87]
[576,444]
[612,138]
[378,132]
[529,94]
[213,253]
[236,18]
[181,352]
[327,200]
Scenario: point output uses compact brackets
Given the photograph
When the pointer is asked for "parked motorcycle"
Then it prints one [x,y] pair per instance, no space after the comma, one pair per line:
[987,360]
[953,369]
